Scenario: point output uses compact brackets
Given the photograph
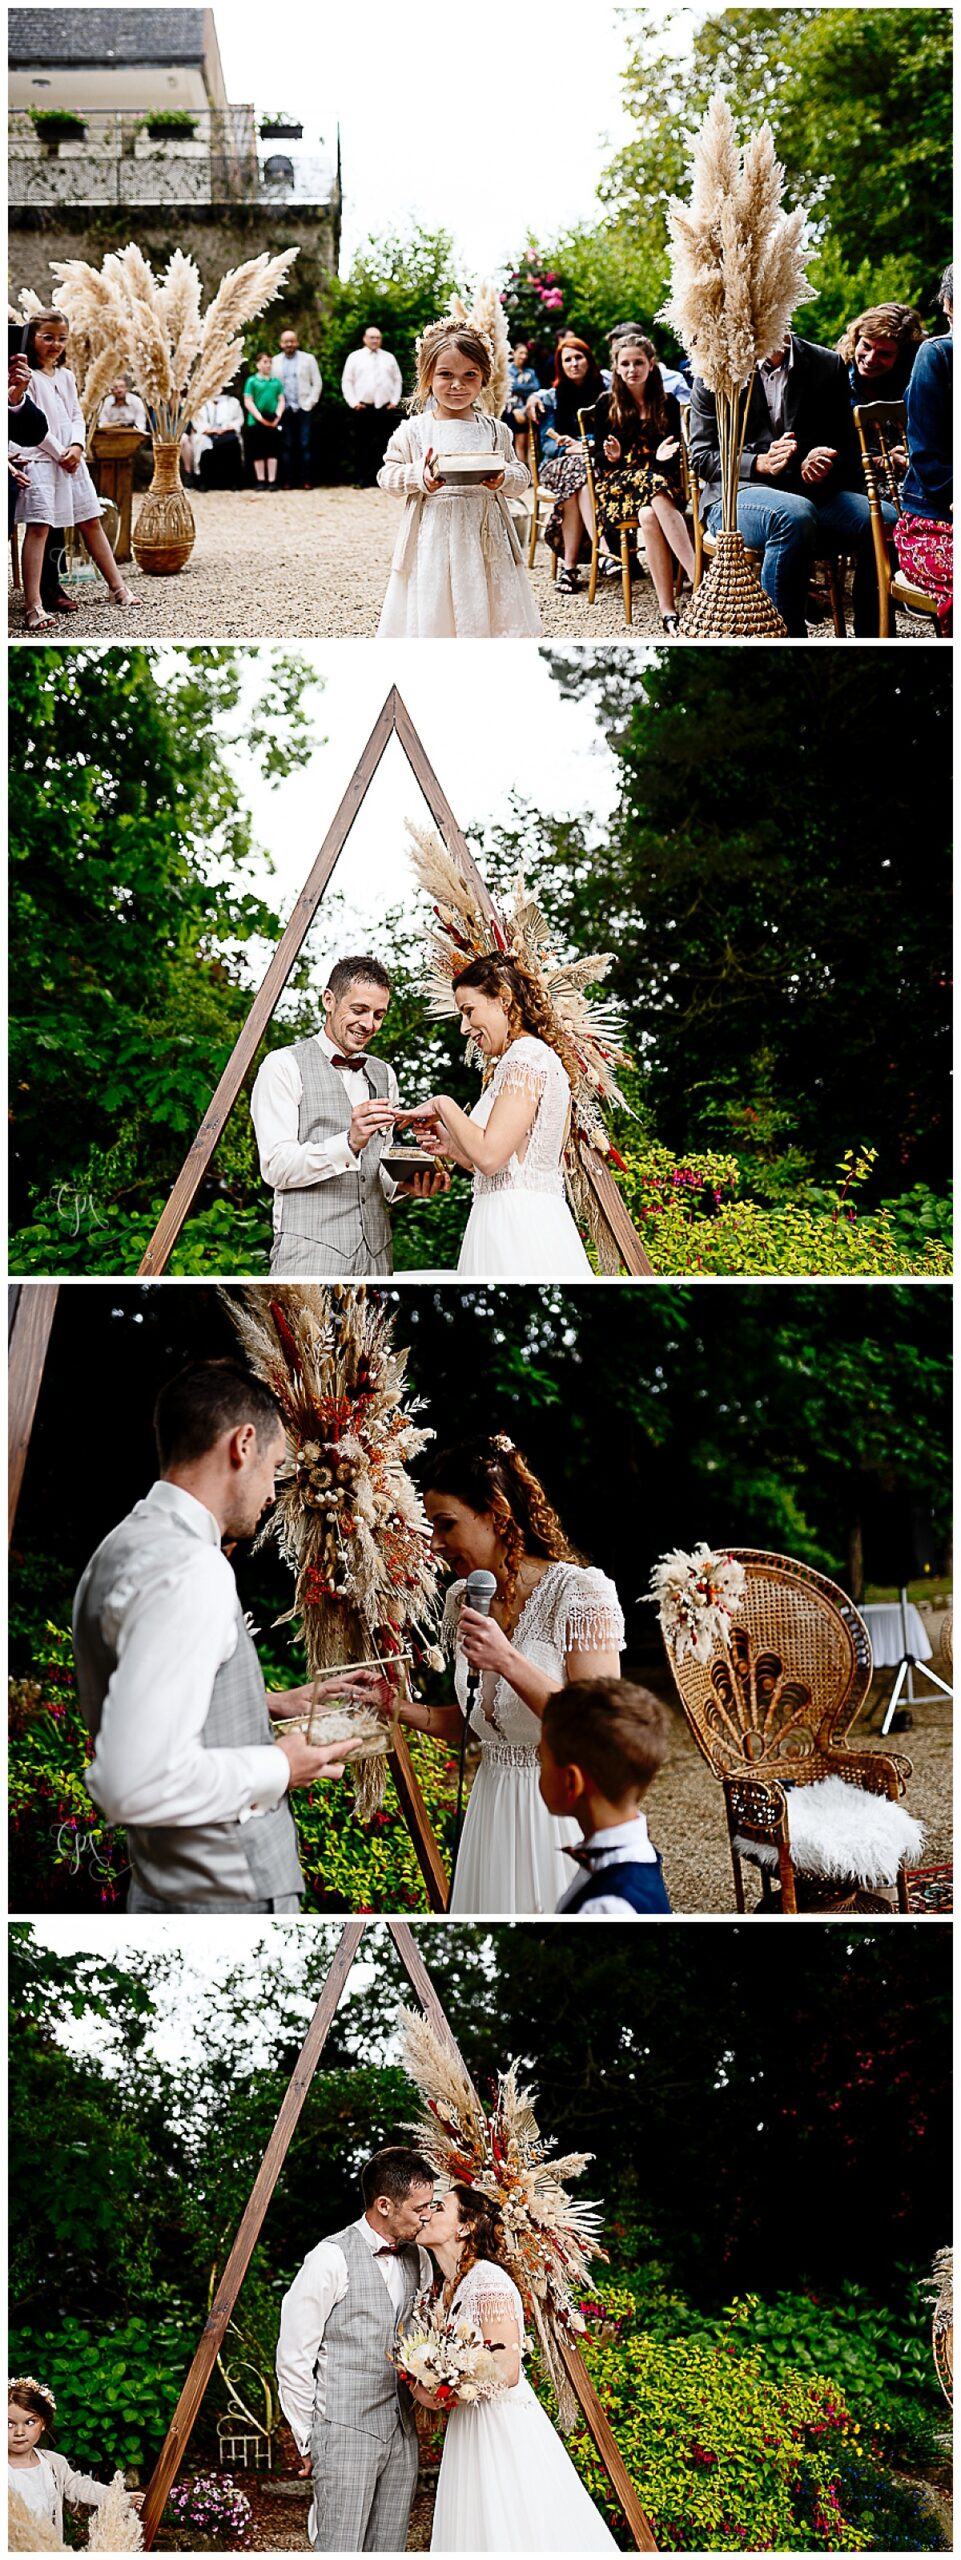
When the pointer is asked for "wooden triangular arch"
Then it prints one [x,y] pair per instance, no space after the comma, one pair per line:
[32,1309]
[188,2406]
[393,721]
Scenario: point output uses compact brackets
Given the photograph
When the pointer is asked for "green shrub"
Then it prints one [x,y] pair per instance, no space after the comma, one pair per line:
[691,1218]
[116,2389]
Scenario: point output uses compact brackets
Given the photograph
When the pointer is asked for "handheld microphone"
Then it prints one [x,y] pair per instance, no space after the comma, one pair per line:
[479,1593]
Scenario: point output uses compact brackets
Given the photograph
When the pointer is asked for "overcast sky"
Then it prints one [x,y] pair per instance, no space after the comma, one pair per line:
[470,120]
[493,722]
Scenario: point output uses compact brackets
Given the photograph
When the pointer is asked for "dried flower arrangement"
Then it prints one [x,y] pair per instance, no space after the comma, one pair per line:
[738,273]
[697,1597]
[348,1518]
[550,2239]
[588,1032]
[445,2356]
[123,315]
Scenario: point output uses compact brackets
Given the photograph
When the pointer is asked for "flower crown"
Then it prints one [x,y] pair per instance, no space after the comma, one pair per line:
[28,2382]
[502,1442]
[433,337]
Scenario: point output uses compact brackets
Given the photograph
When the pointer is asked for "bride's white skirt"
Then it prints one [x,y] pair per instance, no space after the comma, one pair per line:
[506,2483]
[511,1856]
[522,1235]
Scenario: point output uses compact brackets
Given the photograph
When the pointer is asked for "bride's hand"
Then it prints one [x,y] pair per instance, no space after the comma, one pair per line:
[425,2399]
[484,1644]
[418,1115]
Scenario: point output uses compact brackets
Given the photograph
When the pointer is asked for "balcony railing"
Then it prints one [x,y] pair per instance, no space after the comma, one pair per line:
[111,156]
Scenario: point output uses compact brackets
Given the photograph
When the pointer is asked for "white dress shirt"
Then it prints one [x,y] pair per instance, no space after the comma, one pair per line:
[304,2313]
[773,379]
[275,1111]
[624,1841]
[374,375]
[123,413]
[172,1629]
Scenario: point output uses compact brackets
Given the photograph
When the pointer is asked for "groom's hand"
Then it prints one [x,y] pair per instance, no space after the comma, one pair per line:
[310,1761]
[422,1186]
[366,1123]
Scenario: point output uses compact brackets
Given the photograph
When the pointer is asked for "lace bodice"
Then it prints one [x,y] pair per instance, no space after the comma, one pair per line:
[489,2293]
[529,1066]
[573,1608]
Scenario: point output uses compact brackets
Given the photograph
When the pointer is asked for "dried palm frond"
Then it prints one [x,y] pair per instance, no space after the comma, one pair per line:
[348,1519]
[115,2525]
[550,2238]
[589,1033]
[152,326]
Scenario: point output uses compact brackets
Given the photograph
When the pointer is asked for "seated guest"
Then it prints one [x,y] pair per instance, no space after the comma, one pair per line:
[562,460]
[602,1744]
[879,350]
[673,379]
[637,466]
[264,404]
[122,408]
[524,386]
[217,446]
[923,534]
[801,484]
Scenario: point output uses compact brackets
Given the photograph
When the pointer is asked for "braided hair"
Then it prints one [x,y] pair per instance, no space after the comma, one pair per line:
[485,2234]
[516,987]
[494,1479]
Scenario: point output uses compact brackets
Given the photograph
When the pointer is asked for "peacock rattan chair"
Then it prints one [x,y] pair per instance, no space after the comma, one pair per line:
[771,1712]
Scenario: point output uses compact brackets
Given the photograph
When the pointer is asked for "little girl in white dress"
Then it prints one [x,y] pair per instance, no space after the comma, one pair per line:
[59,490]
[458,570]
[38,2477]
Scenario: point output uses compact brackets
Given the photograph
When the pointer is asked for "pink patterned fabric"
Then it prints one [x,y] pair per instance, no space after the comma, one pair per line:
[925,552]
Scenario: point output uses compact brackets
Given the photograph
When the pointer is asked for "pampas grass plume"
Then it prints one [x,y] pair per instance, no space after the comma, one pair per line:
[115,2524]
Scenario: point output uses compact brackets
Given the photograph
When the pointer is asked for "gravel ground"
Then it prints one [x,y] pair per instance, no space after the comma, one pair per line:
[687,1807]
[313,564]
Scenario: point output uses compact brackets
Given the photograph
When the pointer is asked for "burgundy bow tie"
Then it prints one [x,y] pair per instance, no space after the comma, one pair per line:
[337,1061]
[386,2250]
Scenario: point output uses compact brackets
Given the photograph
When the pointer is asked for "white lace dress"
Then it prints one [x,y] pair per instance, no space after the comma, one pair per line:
[54,496]
[511,1856]
[506,2483]
[458,572]
[520,1227]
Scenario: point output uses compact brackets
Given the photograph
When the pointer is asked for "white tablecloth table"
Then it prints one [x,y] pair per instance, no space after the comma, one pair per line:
[892,1632]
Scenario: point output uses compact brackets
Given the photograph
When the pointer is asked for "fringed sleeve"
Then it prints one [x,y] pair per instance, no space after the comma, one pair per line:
[523,1069]
[591,1619]
[451,1619]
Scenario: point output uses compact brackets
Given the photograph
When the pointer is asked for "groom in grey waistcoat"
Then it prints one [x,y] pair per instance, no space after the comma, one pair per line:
[168,1679]
[351,2417]
[323,1111]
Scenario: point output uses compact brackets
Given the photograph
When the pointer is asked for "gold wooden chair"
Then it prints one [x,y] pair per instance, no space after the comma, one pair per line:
[705,544]
[541,501]
[882,427]
[771,1716]
[626,525]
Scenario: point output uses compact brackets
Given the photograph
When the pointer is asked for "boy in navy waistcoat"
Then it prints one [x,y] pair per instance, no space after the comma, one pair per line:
[602,1744]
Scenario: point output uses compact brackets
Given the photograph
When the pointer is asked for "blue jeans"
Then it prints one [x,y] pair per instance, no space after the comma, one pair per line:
[295,445]
[789,530]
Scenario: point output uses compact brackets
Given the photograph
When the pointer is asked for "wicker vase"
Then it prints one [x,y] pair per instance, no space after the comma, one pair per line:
[164,534]
[730,603]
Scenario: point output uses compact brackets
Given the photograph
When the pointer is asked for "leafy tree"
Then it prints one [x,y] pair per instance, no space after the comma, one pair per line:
[860,104]
[398,281]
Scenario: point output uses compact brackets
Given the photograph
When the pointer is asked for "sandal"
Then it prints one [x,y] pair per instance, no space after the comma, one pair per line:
[607,566]
[568,580]
[124,597]
[37,620]
[671,624]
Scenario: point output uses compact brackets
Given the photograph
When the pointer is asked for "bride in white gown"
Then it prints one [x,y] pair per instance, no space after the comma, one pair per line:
[553,1620]
[513,1142]
[506,2483]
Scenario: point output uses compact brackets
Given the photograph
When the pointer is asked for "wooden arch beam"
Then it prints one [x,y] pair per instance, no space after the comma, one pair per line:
[393,721]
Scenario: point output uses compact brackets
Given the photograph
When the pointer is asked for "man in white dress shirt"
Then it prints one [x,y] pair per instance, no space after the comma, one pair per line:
[322,1111]
[372,385]
[168,1679]
[351,2418]
[122,407]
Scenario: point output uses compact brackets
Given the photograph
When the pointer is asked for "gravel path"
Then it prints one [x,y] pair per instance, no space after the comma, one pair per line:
[313,564]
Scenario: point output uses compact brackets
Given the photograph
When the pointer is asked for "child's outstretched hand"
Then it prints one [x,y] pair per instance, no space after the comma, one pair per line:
[429,481]
[136,2497]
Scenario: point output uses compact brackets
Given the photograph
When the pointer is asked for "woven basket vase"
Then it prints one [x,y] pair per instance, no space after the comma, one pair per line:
[730,603]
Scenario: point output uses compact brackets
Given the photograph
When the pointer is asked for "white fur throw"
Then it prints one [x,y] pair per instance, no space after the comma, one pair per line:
[839,1831]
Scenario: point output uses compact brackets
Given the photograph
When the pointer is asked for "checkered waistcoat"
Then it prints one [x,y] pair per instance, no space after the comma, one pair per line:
[361,2388]
[347,1214]
[192,1862]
